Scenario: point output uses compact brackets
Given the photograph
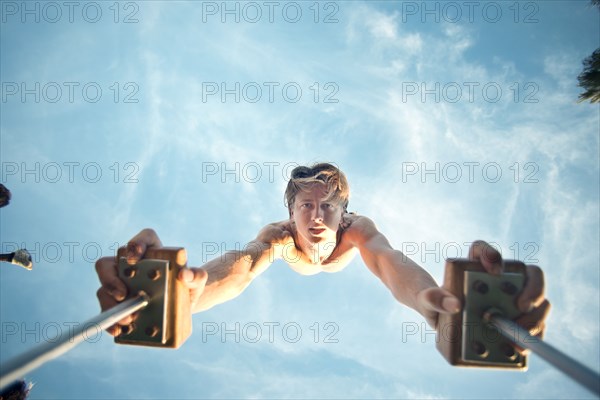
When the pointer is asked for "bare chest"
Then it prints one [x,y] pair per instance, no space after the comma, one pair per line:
[335,262]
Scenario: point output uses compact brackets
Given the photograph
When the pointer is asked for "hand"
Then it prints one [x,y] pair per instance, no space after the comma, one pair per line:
[114,290]
[531,302]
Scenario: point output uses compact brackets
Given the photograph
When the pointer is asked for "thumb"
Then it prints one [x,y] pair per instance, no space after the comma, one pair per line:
[136,247]
[194,278]
[135,252]
[439,300]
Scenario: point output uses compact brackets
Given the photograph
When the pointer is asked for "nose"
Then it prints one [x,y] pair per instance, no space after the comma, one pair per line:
[317,214]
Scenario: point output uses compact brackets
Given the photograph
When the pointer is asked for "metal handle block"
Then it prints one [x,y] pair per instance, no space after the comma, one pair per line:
[465,338]
[167,320]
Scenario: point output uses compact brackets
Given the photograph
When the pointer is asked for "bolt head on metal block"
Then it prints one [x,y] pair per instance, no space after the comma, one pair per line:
[167,320]
[465,338]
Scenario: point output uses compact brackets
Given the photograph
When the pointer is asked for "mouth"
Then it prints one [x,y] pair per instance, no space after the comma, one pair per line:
[316,231]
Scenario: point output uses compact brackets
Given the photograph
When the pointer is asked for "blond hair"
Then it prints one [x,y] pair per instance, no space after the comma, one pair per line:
[303,178]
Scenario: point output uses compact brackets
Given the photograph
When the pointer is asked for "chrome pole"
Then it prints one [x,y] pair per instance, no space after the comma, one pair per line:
[572,368]
[20,365]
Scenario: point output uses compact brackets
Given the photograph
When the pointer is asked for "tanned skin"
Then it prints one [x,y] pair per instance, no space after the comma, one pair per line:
[321,237]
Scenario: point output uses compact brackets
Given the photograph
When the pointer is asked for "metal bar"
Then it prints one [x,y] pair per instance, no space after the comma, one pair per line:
[572,368]
[20,365]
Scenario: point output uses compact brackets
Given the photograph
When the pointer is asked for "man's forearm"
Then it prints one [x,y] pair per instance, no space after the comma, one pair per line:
[405,279]
[231,273]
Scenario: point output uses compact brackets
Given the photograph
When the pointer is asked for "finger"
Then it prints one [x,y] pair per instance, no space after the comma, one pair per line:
[195,279]
[534,320]
[489,257]
[136,247]
[107,301]
[534,324]
[106,268]
[439,300]
[540,335]
[533,292]
[114,330]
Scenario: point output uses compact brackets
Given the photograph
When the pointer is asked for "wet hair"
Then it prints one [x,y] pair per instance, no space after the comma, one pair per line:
[303,178]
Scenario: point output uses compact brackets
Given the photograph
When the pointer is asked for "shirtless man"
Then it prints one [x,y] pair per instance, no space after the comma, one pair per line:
[321,236]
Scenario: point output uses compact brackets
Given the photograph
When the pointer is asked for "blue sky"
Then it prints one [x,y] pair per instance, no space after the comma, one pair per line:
[450,128]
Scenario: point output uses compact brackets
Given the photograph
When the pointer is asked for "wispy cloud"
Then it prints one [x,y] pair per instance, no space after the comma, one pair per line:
[374,131]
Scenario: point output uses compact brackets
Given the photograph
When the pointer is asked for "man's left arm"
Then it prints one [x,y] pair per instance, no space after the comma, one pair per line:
[409,283]
[413,286]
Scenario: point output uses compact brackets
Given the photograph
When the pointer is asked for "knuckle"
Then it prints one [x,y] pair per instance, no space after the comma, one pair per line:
[101,263]
[133,247]
[534,269]
[536,275]
[104,299]
[149,231]
[477,243]
[547,305]
[113,285]
[201,274]
[114,330]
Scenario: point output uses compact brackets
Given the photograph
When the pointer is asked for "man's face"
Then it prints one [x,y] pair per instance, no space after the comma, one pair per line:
[317,219]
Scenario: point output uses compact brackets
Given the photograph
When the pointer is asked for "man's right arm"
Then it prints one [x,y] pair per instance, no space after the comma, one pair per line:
[232,272]
[217,281]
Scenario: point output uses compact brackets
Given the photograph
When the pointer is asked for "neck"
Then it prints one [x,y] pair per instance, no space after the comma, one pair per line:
[317,252]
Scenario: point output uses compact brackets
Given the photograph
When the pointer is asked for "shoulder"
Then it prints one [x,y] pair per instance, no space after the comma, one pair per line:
[358,229]
[285,225]
[275,232]
[364,235]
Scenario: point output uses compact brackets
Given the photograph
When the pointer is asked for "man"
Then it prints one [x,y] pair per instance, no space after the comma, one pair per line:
[321,236]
